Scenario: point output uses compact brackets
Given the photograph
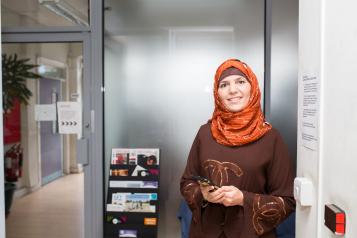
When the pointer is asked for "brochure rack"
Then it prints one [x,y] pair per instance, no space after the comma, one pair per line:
[132,208]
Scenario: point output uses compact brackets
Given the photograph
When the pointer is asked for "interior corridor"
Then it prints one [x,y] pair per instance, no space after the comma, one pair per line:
[55,210]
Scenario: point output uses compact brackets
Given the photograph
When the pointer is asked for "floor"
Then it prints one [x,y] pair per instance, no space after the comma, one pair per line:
[55,211]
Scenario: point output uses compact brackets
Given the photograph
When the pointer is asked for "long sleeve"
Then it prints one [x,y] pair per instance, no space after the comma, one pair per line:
[263,212]
[190,189]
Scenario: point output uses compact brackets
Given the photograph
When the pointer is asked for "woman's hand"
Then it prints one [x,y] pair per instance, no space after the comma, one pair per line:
[232,196]
[211,195]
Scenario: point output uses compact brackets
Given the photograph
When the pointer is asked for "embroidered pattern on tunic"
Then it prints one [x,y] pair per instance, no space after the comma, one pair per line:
[219,171]
[271,212]
[191,190]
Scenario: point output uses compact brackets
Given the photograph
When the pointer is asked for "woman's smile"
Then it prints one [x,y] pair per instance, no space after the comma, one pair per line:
[234,99]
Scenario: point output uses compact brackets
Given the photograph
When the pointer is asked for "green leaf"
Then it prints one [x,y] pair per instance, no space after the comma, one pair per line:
[15,72]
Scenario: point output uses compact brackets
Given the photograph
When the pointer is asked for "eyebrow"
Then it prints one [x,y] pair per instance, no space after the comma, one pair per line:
[239,77]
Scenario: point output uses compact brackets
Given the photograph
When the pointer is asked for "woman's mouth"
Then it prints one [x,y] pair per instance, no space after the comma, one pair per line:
[234,99]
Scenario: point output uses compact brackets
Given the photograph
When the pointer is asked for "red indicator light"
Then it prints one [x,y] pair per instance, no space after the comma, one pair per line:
[340,218]
[340,229]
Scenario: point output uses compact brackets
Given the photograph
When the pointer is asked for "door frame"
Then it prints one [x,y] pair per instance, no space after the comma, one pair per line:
[92,159]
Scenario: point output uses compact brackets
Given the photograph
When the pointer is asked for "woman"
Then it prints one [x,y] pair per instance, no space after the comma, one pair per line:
[245,157]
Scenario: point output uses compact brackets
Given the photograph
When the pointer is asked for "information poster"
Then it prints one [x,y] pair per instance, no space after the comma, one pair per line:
[45,112]
[69,117]
[310,111]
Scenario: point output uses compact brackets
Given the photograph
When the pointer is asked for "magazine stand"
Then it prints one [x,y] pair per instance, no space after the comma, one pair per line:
[132,208]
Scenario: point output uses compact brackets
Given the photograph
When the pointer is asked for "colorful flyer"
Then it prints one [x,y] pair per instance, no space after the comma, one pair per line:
[132,202]
[150,221]
[143,157]
[119,172]
[118,157]
[128,233]
[133,184]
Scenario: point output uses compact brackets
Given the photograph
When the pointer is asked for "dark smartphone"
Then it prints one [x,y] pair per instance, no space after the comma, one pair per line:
[204,181]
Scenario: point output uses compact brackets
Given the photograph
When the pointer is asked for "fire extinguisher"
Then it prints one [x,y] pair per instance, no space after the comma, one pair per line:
[13,163]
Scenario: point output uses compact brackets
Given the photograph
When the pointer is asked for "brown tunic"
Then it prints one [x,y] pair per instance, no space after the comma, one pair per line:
[261,170]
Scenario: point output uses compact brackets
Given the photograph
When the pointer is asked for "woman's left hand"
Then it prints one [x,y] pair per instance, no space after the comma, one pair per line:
[232,196]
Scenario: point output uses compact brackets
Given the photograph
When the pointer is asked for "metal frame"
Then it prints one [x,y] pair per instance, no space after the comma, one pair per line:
[92,38]
[2,189]
[44,29]
[267,58]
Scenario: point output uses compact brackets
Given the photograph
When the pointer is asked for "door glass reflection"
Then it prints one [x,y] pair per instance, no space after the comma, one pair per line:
[27,13]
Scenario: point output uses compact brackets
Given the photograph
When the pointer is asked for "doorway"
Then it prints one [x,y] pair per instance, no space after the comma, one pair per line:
[51,142]
[49,181]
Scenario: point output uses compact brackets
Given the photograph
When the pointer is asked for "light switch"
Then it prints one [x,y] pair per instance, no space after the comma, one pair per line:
[303,191]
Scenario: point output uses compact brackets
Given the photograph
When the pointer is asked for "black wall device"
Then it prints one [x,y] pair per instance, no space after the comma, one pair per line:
[335,219]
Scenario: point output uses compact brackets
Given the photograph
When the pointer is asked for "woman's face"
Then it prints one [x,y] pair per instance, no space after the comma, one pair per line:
[234,92]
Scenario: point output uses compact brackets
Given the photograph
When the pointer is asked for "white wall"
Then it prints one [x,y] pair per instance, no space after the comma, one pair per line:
[309,63]
[327,50]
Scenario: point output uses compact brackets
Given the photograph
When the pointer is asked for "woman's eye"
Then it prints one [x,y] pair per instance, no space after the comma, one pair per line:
[222,85]
[240,81]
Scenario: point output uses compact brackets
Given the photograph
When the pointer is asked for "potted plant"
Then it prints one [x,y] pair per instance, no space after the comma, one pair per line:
[15,71]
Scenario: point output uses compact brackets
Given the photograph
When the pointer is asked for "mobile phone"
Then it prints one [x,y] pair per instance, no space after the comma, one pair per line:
[204,181]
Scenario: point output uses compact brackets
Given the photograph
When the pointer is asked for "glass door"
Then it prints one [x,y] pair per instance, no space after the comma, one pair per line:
[43,159]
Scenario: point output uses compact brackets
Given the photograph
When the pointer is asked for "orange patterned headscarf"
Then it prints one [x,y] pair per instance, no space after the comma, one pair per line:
[238,128]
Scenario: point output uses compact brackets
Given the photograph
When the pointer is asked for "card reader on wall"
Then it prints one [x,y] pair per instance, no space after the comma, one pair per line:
[335,219]
[303,191]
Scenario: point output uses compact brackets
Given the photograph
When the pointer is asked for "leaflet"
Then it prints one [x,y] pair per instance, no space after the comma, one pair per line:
[132,202]
[133,184]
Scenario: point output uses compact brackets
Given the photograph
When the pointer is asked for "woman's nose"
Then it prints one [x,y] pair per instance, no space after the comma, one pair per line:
[233,88]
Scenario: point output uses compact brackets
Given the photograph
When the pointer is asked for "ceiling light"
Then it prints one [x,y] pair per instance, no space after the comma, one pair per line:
[64,9]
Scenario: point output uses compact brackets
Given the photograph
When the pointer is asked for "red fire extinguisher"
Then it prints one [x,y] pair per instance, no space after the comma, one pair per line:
[13,163]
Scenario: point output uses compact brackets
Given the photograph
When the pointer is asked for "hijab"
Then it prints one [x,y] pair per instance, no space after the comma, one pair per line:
[243,127]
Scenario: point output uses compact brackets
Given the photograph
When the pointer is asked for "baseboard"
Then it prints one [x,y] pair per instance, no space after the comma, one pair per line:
[76,169]
[24,191]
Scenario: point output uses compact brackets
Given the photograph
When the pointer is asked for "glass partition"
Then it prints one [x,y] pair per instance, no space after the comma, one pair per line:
[160,61]
[28,13]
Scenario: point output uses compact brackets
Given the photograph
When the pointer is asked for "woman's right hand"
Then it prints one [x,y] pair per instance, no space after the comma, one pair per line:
[211,195]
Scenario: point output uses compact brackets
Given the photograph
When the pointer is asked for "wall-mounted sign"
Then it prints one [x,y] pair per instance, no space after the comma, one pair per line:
[69,117]
[310,111]
[45,112]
